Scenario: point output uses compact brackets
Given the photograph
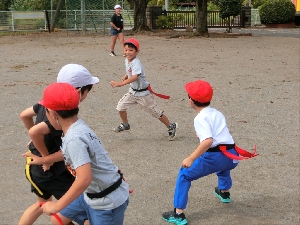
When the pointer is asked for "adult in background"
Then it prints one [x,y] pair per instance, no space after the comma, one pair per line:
[116,29]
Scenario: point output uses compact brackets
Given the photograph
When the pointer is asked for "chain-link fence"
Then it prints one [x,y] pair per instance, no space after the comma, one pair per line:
[84,15]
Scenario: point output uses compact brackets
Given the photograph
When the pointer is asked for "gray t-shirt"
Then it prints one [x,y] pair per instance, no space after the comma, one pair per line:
[80,146]
[135,68]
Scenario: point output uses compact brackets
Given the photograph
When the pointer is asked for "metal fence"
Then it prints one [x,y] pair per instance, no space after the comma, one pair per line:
[97,20]
[182,19]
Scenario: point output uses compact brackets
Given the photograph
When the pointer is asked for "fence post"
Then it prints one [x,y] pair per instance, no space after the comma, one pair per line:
[12,21]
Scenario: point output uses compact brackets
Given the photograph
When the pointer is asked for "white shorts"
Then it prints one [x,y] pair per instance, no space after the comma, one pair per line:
[147,102]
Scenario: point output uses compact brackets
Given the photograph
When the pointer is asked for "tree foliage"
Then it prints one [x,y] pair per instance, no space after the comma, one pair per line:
[277,11]
[229,8]
[5,4]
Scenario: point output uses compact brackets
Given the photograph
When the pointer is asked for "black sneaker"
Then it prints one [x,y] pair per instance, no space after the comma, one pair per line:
[112,54]
[121,127]
[172,217]
[223,196]
[172,131]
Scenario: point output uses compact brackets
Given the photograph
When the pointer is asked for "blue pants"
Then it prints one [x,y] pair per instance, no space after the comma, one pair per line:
[79,211]
[208,163]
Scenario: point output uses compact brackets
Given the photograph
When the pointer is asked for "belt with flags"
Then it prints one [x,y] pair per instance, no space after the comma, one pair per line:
[243,154]
[150,89]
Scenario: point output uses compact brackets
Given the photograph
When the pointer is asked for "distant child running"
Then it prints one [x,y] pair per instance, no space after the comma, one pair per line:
[99,192]
[216,152]
[140,91]
[48,174]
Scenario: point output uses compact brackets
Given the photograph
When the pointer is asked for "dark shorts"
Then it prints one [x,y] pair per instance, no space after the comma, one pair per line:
[56,187]
[114,32]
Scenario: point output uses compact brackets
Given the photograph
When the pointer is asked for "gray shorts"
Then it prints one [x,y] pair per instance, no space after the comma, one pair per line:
[147,102]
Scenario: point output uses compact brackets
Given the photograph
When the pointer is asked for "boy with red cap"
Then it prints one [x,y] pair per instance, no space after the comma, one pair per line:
[48,174]
[140,91]
[99,192]
[212,131]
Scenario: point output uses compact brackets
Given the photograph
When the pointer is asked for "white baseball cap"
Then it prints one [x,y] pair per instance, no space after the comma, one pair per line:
[76,75]
[117,7]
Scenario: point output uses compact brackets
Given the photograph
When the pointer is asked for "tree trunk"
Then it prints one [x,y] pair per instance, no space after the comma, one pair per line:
[55,18]
[201,18]
[140,20]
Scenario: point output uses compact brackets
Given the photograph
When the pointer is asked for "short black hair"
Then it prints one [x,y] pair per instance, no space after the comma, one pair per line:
[67,113]
[130,45]
[200,104]
[84,88]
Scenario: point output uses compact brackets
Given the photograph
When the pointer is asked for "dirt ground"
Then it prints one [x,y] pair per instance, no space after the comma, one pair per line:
[256,86]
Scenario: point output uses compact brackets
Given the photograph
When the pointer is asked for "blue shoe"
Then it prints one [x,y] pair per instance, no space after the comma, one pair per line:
[172,217]
[223,196]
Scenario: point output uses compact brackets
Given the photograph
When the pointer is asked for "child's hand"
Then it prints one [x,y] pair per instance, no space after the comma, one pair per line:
[49,208]
[115,84]
[125,77]
[35,160]
[46,167]
[186,163]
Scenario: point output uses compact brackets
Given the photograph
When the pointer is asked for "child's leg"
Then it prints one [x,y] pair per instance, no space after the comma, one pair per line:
[33,212]
[224,180]
[164,120]
[200,168]
[123,115]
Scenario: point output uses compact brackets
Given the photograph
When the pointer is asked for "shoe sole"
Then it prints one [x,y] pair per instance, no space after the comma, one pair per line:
[171,139]
[222,199]
[119,131]
[176,222]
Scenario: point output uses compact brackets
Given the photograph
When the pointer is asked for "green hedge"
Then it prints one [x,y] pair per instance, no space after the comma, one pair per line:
[277,11]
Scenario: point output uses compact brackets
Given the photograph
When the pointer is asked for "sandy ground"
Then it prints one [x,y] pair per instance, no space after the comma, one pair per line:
[256,86]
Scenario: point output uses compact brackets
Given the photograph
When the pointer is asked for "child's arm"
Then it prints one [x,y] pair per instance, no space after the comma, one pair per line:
[124,82]
[37,133]
[49,159]
[202,148]
[125,77]
[83,180]
[27,117]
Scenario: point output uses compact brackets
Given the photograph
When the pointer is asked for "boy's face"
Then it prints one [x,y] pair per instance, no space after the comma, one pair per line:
[130,53]
[52,117]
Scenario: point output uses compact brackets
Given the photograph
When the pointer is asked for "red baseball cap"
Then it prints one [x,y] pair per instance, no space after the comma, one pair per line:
[134,42]
[199,90]
[60,96]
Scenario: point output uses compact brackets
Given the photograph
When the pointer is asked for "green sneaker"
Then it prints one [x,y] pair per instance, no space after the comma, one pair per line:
[223,196]
[172,217]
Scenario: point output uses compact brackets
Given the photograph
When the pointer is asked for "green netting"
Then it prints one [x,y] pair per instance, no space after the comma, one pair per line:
[93,15]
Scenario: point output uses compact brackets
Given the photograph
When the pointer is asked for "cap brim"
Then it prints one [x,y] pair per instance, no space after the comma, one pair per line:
[41,102]
[95,80]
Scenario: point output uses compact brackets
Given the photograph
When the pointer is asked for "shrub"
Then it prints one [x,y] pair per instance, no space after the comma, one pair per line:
[229,8]
[168,22]
[277,11]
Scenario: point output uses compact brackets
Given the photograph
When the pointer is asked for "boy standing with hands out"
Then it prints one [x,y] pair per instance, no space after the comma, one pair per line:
[216,152]
[140,91]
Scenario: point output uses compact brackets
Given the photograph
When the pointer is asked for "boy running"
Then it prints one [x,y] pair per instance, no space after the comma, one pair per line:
[140,91]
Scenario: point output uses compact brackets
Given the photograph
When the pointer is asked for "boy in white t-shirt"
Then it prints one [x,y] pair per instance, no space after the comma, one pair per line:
[212,131]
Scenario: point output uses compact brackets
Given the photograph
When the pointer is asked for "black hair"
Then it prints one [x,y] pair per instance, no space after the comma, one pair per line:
[200,104]
[66,113]
[130,45]
[84,88]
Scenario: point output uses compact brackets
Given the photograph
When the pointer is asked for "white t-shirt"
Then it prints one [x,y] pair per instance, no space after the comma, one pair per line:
[80,146]
[211,123]
[135,68]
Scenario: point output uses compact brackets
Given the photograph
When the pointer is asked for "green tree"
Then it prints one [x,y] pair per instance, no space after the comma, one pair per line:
[201,18]
[229,8]
[5,5]
[139,16]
